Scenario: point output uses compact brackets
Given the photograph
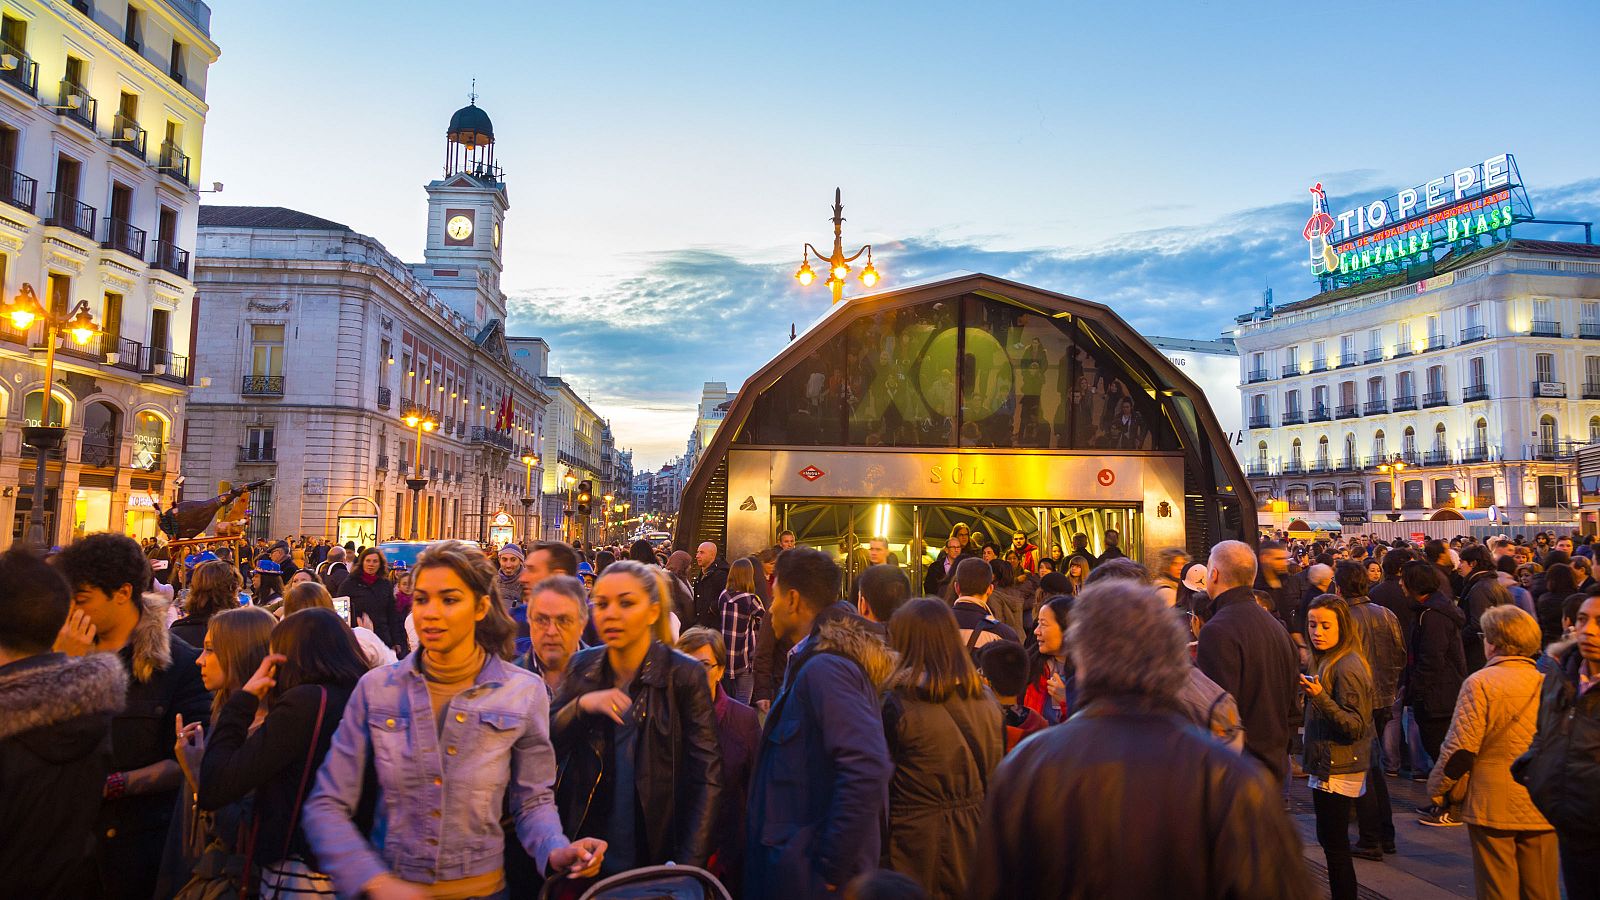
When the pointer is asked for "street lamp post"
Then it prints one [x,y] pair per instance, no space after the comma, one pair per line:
[570,513]
[838,262]
[1393,468]
[416,482]
[23,310]
[527,497]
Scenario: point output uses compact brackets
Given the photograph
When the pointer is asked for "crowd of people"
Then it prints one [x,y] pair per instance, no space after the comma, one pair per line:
[314,721]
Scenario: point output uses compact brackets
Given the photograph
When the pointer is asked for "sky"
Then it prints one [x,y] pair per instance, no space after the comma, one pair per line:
[666,162]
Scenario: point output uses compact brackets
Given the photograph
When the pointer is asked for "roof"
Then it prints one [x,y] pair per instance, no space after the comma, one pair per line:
[1223,347]
[264,217]
[471,119]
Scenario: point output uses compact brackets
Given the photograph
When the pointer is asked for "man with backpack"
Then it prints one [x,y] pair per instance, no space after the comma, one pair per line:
[974,585]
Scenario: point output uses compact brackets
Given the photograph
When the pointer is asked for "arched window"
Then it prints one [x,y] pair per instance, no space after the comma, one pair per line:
[1438,439]
[1547,435]
[149,436]
[1480,434]
[102,433]
[1261,453]
[1408,443]
[30,410]
[1594,429]
[1351,460]
[1322,450]
[1379,450]
[1295,455]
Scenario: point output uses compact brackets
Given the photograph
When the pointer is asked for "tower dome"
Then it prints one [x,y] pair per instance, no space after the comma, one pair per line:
[470,126]
[469,144]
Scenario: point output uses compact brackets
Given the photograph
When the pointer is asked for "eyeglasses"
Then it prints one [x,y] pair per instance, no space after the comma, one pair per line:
[562,623]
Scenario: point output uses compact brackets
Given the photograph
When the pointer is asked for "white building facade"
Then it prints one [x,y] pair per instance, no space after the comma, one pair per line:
[102,115]
[1480,380]
[324,353]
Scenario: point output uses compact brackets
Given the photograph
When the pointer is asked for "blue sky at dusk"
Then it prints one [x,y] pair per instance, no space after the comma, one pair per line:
[666,161]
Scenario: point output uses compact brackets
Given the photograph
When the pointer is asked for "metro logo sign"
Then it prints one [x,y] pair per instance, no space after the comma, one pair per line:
[811,473]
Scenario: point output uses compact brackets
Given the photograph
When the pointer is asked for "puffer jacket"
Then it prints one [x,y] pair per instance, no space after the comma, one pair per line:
[1381,647]
[1561,769]
[1496,717]
[1437,663]
[1338,739]
[678,763]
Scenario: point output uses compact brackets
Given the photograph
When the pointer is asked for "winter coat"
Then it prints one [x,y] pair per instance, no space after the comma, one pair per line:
[936,576]
[1338,736]
[1212,709]
[677,765]
[1007,604]
[1248,654]
[1480,591]
[1381,647]
[944,755]
[1391,595]
[1438,664]
[707,613]
[192,628]
[1286,599]
[738,739]
[1561,768]
[1129,800]
[1547,609]
[821,781]
[376,602]
[1496,717]
[55,751]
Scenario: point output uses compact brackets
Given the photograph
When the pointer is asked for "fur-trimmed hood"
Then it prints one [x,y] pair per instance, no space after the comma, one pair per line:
[151,642]
[849,635]
[53,690]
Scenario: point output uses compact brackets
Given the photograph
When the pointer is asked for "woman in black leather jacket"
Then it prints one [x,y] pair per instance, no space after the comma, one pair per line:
[635,732]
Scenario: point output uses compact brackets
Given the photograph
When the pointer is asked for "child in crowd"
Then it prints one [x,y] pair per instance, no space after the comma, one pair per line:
[1004,666]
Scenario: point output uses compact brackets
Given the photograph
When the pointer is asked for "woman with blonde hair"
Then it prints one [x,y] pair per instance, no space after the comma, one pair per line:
[945,736]
[635,732]
[1514,850]
[741,612]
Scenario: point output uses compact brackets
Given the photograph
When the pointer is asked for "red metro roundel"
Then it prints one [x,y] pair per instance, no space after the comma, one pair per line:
[1106,478]
[811,473]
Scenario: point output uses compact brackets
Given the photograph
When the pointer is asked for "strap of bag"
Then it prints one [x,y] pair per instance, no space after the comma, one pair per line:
[987,624]
[300,795]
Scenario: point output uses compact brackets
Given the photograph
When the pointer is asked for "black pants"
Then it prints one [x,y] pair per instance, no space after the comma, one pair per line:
[1374,818]
[1433,731]
[1580,867]
[1333,833]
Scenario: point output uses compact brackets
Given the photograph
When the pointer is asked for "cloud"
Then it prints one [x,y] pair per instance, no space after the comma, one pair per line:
[640,347]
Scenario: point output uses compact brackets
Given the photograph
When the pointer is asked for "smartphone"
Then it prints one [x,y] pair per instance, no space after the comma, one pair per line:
[341,605]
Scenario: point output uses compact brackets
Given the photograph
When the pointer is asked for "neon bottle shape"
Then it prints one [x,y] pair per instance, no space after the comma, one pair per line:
[1324,258]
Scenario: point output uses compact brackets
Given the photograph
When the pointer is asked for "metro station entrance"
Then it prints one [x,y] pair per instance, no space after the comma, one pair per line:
[917,531]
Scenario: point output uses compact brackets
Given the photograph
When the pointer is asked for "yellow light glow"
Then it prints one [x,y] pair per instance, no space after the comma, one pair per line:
[411,421]
[841,271]
[82,335]
[391,360]
[869,275]
[427,426]
[528,460]
[22,318]
[805,275]
[411,374]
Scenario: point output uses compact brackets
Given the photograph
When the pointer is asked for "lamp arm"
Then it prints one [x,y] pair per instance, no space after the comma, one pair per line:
[821,257]
[857,255]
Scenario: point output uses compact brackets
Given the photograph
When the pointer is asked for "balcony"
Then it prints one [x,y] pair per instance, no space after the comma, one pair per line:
[262,386]
[129,352]
[1411,457]
[98,452]
[173,162]
[1353,504]
[1375,407]
[449,424]
[1348,464]
[384,397]
[1299,504]
[1556,389]
[1477,453]
[1411,503]
[1402,350]
[258,454]
[1591,390]
[1325,504]
[1258,376]
[481,434]
[1319,365]
[1347,411]
[1590,330]
[1291,370]
[1435,398]
[66,212]
[75,103]
[1545,328]
[383,462]
[1435,342]
[1321,414]
[165,364]
[18,69]
[1260,421]
[1473,392]
[119,235]
[1549,450]
[127,136]
[1294,467]
[18,190]
[1436,457]
[1474,333]
[1321,467]
[1348,359]
[171,258]
[1258,470]
[1375,355]
[1406,403]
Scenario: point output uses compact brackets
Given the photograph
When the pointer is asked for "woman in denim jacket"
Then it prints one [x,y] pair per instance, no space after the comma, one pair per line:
[452,731]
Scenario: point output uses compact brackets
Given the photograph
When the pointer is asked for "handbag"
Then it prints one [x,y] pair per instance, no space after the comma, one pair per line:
[291,876]
[220,872]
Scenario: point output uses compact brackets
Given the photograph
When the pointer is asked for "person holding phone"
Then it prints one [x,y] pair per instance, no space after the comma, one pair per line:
[1338,738]
[370,593]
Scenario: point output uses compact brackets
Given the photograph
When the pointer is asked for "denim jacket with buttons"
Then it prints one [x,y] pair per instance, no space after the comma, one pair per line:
[440,797]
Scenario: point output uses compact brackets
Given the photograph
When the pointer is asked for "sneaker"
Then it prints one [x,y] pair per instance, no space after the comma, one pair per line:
[1367,851]
[1441,819]
[1419,776]
[1392,773]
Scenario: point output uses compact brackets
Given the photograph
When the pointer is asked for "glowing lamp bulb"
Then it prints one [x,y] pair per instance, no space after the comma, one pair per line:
[427,426]
[22,318]
[869,275]
[841,272]
[805,275]
[82,335]
[411,421]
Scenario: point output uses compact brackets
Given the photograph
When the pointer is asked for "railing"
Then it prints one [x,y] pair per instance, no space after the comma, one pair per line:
[1477,453]
[1294,467]
[67,212]
[1325,504]
[1300,504]
[1353,504]
[384,396]
[258,454]
[1405,404]
[1549,389]
[122,236]
[1411,457]
[1291,370]
[1258,375]
[101,454]
[1402,350]
[482,434]
[1474,392]
[128,353]
[165,364]
[1293,417]
[76,103]
[383,462]
[1258,470]
[1320,364]
[1436,458]
[172,161]
[1260,421]
[127,136]
[1373,356]
[1349,464]
[1411,503]
[433,473]
[1435,398]
[17,189]
[171,258]
[19,69]
[262,386]
[1591,390]
[1546,450]
[405,468]
[449,424]
[1321,414]
[1349,411]
[1473,333]
[1589,330]
[1321,467]
[1376,407]
[1435,342]
[1545,328]
[1348,359]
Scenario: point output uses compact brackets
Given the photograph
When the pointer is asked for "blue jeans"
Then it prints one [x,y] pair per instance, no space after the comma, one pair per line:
[1402,724]
[741,685]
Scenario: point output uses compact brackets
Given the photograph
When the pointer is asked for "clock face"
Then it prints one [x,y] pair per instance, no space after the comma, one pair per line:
[459,228]
[497,235]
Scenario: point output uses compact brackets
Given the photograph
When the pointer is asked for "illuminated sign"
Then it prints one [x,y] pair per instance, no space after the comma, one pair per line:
[1469,208]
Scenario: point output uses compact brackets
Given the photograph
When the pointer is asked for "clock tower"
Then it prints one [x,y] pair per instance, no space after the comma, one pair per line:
[466,219]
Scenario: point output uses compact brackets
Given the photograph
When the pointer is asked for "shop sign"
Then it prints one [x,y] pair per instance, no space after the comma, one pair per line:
[141,501]
[1555,389]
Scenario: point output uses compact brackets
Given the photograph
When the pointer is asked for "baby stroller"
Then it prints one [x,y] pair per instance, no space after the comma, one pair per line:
[667,882]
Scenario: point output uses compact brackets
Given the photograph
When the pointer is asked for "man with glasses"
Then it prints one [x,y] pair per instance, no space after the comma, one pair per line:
[558,608]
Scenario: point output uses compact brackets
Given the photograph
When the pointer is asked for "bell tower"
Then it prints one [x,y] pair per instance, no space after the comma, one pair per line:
[466,220]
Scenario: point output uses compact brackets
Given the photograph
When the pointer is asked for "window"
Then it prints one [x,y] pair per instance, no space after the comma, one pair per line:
[1413,494]
[1295,455]
[1347,345]
[1404,345]
[160,333]
[1292,356]
[258,441]
[59,294]
[1258,362]
[1472,315]
[1382,495]
[111,322]
[175,66]
[1322,450]
[266,350]
[1379,450]
[1350,456]
[1319,400]
[14,32]
[1594,429]
[1480,433]
[74,74]
[1258,407]
[1405,385]
[1375,389]
[1542,312]
[1347,393]
[1436,381]
[1547,434]
[1483,493]
[130,30]
[1552,491]
[1261,453]
[1319,354]
[1589,313]
[1435,328]
[1443,492]
[1375,339]
[1591,371]
[410,374]
[1544,367]
[1408,442]
[1438,438]
[1475,372]
[1291,403]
